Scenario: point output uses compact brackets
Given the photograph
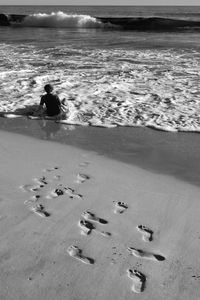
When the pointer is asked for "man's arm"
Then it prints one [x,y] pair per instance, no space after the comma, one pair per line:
[42,101]
[40,106]
[58,101]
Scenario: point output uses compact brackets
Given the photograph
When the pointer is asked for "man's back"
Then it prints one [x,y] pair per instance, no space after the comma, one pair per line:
[52,103]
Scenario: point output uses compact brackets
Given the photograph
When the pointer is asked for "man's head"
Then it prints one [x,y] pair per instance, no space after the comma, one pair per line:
[48,88]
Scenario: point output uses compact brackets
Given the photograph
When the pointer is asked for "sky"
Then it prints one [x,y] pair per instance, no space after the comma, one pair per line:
[102,2]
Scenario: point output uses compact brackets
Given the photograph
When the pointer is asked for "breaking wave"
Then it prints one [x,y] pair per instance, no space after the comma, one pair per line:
[63,20]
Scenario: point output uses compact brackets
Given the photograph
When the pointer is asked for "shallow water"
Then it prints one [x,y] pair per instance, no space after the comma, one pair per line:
[173,154]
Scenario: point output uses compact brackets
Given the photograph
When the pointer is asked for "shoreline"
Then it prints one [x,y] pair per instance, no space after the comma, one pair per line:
[174,154]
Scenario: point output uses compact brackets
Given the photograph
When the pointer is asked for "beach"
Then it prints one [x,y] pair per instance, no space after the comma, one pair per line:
[103,202]
[144,238]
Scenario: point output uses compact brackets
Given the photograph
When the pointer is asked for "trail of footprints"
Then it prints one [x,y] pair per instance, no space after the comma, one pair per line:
[88,221]
[35,202]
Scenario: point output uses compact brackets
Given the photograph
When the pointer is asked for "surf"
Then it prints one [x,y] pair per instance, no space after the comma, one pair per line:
[52,20]
[63,20]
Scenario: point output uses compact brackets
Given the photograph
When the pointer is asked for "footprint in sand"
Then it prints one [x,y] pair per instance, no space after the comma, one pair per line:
[144,254]
[147,233]
[36,197]
[56,193]
[75,252]
[91,217]
[32,200]
[31,188]
[72,194]
[138,280]
[51,169]
[120,207]
[82,178]
[87,227]
[60,191]
[40,210]
[41,180]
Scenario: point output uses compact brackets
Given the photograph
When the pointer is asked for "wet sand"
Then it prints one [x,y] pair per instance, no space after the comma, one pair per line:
[175,154]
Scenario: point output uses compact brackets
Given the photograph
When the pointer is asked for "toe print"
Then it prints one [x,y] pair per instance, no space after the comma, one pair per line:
[138,280]
[120,207]
[147,233]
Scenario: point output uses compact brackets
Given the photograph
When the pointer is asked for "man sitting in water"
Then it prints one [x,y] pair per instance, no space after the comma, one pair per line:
[51,101]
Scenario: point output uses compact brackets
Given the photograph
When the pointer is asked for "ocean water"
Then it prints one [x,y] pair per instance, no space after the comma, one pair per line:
[109,75]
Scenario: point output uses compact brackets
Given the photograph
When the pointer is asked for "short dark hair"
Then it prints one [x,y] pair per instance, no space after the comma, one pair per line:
[48,88]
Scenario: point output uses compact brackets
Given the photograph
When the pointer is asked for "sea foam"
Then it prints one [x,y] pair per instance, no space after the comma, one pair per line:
[154,88]
[61,20]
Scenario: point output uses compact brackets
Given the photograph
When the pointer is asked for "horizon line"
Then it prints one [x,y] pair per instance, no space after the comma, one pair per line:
[179,5]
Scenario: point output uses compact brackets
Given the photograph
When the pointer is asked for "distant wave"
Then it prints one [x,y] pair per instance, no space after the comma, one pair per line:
[152,23]
[53,20]
[63,20]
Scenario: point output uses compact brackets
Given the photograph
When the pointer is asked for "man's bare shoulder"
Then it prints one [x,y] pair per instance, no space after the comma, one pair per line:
[43,97]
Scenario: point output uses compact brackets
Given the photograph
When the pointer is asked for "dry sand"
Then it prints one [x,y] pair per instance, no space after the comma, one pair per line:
[142,240]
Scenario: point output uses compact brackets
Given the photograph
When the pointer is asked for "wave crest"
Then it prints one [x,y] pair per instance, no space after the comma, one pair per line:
[61,20]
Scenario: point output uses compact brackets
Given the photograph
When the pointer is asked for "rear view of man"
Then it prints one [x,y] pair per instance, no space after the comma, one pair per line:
[51,101]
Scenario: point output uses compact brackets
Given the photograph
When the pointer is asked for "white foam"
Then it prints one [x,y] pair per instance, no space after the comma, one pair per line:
[107,88]
[61,20]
